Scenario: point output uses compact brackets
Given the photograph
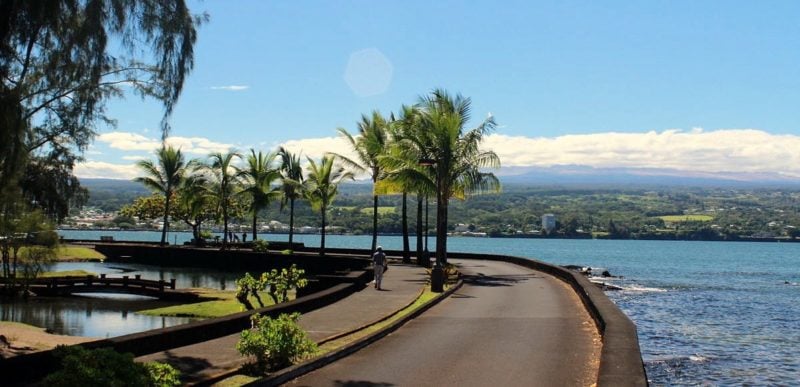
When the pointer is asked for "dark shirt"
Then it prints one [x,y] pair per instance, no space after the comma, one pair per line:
[379,258]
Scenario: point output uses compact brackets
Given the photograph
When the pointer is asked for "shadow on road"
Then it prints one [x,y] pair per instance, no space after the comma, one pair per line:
[497,280]
[187,365]
[360,383]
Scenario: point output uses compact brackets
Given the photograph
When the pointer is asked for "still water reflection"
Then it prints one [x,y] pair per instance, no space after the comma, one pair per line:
[110,315]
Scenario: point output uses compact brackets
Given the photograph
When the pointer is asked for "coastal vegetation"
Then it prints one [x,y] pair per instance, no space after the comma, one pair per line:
[730,213]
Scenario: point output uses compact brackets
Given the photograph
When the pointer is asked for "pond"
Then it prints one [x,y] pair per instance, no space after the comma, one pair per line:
[109,315]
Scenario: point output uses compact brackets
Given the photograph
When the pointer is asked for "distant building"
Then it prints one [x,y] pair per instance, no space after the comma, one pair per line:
[548,222]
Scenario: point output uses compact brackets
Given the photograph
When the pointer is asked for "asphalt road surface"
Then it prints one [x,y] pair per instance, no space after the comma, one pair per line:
[507,326]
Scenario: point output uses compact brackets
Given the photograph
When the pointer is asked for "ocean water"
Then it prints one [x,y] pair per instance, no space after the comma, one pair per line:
[707,313]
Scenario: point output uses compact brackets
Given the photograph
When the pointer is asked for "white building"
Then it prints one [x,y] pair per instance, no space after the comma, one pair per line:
[548,222]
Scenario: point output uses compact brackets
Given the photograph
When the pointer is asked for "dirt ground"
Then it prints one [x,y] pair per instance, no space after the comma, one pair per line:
[20,339]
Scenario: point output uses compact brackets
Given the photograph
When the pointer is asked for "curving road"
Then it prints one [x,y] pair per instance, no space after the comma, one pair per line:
[507,326]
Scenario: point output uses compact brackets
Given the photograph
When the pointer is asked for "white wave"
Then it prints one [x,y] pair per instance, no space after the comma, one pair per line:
[641,289]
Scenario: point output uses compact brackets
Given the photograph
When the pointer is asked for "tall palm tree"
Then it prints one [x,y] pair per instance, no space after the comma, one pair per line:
[321,187]
[459,161]
[369,145]
[291,184]
[258,177]
[163,177]
[223,177]
[403,171]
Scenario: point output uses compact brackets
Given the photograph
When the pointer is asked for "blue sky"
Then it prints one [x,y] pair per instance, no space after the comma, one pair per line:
[692,86]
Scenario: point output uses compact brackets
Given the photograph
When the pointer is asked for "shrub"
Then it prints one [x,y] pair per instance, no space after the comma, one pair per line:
[106,367]
[280,282]
[277,283]
[260,246]
[163,375]
[275,343]
[287,252]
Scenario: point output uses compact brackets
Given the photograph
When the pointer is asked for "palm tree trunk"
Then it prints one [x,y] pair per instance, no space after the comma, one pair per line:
[225,227]
[166,220]
[420,233]
[406,247]
[441,228]
[322,240]
[255,234]
[196,233]
[374,222]
[291,223]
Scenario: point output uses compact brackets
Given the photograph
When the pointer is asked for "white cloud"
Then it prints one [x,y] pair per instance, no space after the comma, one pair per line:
[317,147]
[99,169]
[710,153]
[134,158]
[718,151]
[128,141]
[231,87]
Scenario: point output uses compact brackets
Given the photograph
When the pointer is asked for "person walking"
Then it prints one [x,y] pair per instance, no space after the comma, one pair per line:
[379,263]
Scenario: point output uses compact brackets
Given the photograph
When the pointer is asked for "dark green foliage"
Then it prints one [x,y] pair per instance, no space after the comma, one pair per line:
[60,62]
[260,245]
[275,343]
[106,367]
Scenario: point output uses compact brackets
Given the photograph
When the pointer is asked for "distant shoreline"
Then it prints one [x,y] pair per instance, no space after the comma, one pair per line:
[509,236]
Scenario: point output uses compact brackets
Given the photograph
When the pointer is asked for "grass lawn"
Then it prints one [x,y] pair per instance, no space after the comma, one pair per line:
[381,210]
[686,218]
[219,303]
[78,253]
[67,273]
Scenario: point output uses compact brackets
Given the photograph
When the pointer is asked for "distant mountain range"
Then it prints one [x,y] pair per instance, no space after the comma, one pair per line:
[570,175]
[583,175]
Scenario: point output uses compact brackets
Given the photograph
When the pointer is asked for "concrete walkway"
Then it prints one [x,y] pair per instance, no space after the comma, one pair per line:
[401,285]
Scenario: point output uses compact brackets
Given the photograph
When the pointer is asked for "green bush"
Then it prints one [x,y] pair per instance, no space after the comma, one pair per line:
[163,375]
[287,252]
[260,245]
[277,283]
[106,367]
[275,343]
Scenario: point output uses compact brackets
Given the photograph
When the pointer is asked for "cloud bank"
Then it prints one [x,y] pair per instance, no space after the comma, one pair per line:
[127,141]
[722,153]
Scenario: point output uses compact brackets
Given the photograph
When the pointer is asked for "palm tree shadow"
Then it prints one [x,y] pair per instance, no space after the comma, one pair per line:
[360,383]
[497,280]
[187,365]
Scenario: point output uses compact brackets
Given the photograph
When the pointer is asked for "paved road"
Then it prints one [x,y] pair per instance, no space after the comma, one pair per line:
[507,326]
[401,286]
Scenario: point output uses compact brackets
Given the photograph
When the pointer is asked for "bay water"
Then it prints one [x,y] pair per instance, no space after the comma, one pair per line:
[707,313]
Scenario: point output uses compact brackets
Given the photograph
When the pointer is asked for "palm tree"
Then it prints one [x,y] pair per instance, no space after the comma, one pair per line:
[459,161]
[403,171]
[321,187]
[373,136]
[220,171]
[258,177]
[163,177]
[291,184]
[193,203]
